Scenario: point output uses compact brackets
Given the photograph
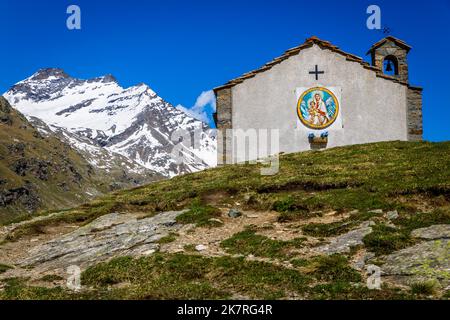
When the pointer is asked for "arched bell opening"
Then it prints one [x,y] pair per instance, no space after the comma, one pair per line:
[390,66]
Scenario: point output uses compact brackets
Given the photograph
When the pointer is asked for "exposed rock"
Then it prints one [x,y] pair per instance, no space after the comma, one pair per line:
[426,260]
[360,262]
[391,215]
[379,211]
[439,231]
[344,242]
[17,149]
[111,235]
[234,213]
[215,220]
[25,196]
[201,247]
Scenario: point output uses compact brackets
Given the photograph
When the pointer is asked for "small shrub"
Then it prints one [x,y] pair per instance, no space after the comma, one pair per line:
[384,239]
[424,287]
[334,268]
[284,205]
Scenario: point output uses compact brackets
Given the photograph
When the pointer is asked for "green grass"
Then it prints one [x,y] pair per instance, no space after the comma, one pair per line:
[17,289]
[446,294]
[385,239]
[299,262]
[423,287]
[248,242]
[334,268]
[193,277]
[183,276]
[342,290]
[51,278]
[171,237]
[326,229]
[423,219]
[4,267]
[200,214]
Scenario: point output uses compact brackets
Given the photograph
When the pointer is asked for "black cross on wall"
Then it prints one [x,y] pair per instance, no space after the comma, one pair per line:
[317,72]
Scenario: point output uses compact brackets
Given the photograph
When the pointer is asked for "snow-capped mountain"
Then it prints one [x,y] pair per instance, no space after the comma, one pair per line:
[98,116]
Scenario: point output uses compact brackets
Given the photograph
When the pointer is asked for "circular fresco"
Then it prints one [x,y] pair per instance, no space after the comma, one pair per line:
[317,108]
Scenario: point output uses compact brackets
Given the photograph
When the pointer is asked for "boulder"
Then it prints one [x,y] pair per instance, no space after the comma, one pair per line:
[391,215]
[108,236]
[201,247]
[234,213]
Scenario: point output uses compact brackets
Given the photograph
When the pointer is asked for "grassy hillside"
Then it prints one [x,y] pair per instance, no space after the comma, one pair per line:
[38,173]
[353,185]
[387,175]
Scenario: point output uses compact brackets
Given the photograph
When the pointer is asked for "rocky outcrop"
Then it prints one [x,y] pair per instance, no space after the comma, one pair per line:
[438,231]
[345,242]
[429,260]
[111,235]
[27,196]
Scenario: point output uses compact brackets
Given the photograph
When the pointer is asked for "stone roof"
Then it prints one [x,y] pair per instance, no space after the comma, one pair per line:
[326,45]
[400,43]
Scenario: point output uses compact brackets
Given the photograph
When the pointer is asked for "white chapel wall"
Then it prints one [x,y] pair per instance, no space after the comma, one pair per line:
[372,109]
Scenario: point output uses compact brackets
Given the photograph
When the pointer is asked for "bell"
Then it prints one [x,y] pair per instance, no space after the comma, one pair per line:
[388,66]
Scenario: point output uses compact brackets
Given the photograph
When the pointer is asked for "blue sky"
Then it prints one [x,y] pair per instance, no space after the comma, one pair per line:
[182,48]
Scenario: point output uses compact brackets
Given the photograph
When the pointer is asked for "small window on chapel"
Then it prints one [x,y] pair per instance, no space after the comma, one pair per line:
[390,66]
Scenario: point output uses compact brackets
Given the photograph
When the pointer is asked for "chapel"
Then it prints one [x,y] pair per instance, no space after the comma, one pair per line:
[316,96]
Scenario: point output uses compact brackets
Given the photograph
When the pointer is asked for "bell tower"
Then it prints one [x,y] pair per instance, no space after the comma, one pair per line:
[389,55]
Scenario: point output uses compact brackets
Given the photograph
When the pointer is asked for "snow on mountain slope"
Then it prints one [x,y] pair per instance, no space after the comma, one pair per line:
[133,122]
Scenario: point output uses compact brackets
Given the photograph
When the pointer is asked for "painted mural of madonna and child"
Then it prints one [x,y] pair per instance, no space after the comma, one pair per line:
[317,108]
